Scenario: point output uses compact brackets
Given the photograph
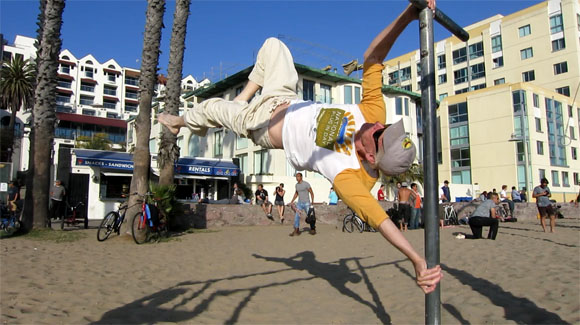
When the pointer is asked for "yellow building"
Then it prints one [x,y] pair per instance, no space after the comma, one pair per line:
[514,81]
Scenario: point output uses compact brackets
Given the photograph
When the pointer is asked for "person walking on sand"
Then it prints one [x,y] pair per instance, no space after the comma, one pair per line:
[542,195]
[302,190]
[279,201]
[348,144]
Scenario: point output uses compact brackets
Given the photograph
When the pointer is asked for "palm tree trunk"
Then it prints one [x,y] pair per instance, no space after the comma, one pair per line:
[45,107]
[168,149]
[147,80]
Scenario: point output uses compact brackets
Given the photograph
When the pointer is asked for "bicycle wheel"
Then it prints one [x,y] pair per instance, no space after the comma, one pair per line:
[64,217]
[347,224]
[140,231]
[358,223]
[107,225]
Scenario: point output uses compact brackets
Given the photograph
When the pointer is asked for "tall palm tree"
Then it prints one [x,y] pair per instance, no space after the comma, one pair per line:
[44,111]
[147,80]
[16,91]
[168,149]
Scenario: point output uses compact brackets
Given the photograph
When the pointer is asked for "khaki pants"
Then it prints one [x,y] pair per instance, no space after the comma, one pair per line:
[274,71]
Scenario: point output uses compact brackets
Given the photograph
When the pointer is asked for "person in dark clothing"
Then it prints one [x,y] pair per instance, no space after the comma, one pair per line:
[484,216]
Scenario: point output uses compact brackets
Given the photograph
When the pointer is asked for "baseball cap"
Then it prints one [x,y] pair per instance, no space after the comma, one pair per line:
[399,150]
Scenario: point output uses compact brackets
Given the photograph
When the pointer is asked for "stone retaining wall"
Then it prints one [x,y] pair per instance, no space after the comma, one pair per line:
[217,215]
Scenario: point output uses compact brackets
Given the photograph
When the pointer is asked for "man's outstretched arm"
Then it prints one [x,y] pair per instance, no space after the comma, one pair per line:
[382,43]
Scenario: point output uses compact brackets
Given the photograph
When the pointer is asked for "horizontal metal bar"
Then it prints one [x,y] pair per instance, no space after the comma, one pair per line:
[444,20]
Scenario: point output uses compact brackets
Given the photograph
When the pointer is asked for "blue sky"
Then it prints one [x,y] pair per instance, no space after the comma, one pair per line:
[223,36]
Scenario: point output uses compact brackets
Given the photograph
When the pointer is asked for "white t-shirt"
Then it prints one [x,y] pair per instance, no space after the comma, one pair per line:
[441,193]
[320,137]
[502,195]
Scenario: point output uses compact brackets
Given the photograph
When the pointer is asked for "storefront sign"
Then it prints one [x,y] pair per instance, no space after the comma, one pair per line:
[105,163]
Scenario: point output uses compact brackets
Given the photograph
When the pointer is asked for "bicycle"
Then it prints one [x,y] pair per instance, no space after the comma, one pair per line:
[352,221]
[112,222]
[450,216]
[150,223]
[73,216]
[9,222]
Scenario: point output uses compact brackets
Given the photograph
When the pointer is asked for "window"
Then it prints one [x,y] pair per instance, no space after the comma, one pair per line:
[407,87]
[538,124]
[459,135]
[112,115]
[261,162]
[357,95]
[576,179]
[89,112]
[109,104]
[500,81]
[536,100]
[460,55]
[564,91]
[325,94]
[402,106]
[441,61]
[561,67]
[574,153]
[112,186]
[308,89]
[218,143]
[442,78]
[394,77]
[194,145]
[555,178]
[498,62]
[130,107]
[477,71]
[461,91]
[87,87]
[528,76]
[243,159]
[526,53]
[565,179]
[131,81]
[62,99]
[475,50]
[65,68]
[476,87]
[525,30]
[110,91]
[458,113]
[442,96]
[89,72]
[239,90]
[556,24]
[111,77]
[348,94]
[460,157]
[241,142]
[542,173]
[558,45]
[86,100]
[556,130]
[540,147]
[131,94]
[62,83]
[572,133]
[461,177]
[496,44]
[405,73]
[460,76]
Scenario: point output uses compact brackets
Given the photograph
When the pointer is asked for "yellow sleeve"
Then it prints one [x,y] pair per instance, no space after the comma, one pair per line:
[352,190]
[372,104]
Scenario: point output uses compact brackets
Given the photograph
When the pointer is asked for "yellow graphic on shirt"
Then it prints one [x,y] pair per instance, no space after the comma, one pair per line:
[335,130]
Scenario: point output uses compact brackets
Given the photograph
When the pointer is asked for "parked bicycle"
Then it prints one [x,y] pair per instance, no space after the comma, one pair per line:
[352,221]
[9,222]
[450,217]
[149,224]
[74,215]
[112,222]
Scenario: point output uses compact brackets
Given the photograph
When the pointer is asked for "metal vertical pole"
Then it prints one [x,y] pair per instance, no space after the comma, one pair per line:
[432,300]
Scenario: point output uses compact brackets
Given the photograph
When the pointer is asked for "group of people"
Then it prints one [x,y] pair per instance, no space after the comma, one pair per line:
[504,198]
[57,199]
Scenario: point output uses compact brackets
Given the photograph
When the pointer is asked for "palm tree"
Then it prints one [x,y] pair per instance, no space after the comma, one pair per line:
[99,141]
[44,112]
[16,91]
[147,80]
[414,173]
[168,149]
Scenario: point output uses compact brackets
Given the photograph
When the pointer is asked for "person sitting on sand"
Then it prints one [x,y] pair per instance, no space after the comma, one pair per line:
[348,144]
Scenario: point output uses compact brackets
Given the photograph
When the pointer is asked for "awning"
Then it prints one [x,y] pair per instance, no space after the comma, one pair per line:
[104,159]
[111,98]
[117,174]
[64,91]
[111,71]
[199,166]
[86,119]
[65,76]
[88,80]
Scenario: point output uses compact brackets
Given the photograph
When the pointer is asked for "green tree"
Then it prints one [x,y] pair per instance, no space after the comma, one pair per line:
[44,112]
[168,149]
[413,174]
[99,141]
[147,81]
[16,91]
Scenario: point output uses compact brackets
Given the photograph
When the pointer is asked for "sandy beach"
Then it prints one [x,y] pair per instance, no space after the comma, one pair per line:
[260,275]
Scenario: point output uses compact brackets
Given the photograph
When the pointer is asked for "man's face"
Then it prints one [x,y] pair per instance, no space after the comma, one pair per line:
[544,184]
[260,187]
[371,136]
[57,183]
[298,178]
[495,199]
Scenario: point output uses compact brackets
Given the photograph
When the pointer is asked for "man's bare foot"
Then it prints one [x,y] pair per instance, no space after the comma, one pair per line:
[172,122]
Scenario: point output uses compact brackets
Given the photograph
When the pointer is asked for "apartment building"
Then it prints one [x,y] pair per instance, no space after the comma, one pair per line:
[509,104]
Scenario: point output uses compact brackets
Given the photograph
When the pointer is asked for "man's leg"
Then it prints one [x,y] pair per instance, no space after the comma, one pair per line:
[493,228]
[274,70]
[476,227]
